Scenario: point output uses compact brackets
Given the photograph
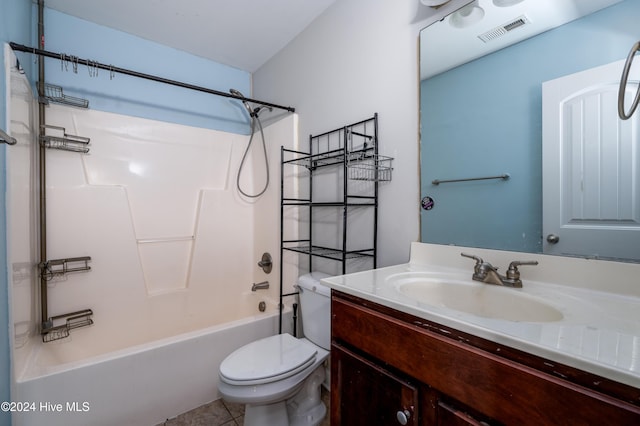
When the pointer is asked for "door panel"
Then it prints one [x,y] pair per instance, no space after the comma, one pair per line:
[591,188]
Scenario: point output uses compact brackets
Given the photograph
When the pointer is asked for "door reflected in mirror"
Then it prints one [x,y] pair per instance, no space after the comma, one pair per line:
[483,115]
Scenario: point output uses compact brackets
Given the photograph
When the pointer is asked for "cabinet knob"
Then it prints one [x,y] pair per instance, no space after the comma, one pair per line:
[403,416]
[552,239]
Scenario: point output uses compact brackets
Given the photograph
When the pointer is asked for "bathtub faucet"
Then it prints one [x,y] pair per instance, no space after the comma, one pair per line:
[260,286]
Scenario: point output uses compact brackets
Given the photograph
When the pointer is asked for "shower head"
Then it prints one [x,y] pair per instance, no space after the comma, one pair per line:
[246,104]
[259,109]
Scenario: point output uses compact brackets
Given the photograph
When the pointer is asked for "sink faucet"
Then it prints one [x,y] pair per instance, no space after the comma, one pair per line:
[487,273]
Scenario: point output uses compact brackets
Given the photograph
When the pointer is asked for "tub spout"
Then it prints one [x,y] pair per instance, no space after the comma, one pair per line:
[260,286]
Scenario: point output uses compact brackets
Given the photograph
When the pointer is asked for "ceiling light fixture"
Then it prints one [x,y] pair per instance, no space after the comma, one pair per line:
[467,16]
[506,3]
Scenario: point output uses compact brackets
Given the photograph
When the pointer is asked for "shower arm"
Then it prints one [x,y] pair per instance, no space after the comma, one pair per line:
[112,68]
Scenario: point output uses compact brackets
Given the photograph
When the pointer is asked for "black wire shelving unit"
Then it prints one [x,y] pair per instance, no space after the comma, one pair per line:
[352,153]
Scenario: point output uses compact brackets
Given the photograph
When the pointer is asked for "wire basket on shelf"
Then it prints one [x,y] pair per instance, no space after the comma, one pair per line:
[371,167]
[56,94]
[65,142]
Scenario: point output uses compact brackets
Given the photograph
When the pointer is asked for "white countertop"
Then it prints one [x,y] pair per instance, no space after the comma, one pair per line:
[599,331]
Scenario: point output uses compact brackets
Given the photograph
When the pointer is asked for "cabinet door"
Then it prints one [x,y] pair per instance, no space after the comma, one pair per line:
[363,393]
[448,415]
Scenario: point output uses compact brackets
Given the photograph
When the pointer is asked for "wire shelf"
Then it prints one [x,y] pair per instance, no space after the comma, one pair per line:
[55,94]
[60,267]
[72,320]
[64,142]
[371,167]
[330,253]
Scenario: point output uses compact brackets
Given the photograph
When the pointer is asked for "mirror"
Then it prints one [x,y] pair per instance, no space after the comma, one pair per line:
[494,92]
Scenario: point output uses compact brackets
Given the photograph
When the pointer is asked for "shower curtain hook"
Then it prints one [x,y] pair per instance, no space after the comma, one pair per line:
[92,67]
[111,72]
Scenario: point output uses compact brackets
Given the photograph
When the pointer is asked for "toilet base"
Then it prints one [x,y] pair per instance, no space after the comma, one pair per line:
[305,408]
[311,417]
[266,415]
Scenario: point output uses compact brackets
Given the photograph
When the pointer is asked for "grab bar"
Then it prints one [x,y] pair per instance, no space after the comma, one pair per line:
[623,85]
[504,176]
[5,138]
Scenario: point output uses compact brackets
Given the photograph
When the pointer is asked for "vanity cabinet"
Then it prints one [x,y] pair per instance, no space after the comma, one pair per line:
[374,395]
[388,367]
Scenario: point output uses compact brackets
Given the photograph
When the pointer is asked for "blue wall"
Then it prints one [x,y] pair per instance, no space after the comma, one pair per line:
[122,94]
[461,139]
[135,96]
[15,25]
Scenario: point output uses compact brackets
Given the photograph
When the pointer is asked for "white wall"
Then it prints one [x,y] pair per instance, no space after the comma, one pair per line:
[361,57]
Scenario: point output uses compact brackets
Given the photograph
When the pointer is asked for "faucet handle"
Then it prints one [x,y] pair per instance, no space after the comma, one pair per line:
[471,256]
[513,272]
[481,268]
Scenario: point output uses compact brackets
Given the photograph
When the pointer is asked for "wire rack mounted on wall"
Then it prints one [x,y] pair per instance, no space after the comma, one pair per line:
[53,93]
[62,140]
[70,321]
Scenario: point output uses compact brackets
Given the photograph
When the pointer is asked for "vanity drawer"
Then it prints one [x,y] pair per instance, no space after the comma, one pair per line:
[501,389]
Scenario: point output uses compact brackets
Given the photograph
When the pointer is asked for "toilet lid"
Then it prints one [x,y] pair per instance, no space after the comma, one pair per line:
[267,360]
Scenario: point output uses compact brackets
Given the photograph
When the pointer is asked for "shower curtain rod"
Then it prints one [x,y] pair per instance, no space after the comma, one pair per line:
[111,68]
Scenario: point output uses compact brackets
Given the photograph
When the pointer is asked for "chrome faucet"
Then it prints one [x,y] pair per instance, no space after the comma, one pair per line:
[260,286]
[487,273]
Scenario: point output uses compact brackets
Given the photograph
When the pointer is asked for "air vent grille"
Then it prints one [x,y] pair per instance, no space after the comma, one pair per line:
[503,29]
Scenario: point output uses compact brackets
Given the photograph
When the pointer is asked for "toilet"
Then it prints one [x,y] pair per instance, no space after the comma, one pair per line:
[279,377]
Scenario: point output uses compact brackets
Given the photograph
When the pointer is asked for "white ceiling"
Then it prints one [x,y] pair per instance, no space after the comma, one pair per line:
[463,44]
[241,33]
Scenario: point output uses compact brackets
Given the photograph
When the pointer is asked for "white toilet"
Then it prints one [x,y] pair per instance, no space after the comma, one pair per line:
[279,377]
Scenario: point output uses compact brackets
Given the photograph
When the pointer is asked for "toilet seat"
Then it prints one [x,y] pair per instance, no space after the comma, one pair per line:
[267,360]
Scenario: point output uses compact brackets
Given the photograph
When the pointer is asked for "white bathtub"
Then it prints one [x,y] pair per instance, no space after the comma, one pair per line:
[80,381]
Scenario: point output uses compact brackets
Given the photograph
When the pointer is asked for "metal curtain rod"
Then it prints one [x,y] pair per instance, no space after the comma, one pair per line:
[111,68]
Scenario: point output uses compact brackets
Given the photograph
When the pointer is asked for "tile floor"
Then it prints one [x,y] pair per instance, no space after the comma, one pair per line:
[221,413]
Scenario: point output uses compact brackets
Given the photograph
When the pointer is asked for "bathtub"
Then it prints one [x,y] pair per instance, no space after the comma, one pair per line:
[91,378]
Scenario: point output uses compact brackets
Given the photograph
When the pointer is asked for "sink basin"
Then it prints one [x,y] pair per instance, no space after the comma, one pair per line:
[483,300]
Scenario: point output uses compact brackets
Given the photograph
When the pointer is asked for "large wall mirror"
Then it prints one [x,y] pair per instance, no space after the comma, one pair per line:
[521,146]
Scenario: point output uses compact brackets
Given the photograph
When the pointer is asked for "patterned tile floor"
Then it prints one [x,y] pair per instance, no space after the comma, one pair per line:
[221,413]
[216,413]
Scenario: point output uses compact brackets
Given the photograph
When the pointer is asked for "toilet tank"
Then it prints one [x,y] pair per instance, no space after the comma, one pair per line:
[315,309]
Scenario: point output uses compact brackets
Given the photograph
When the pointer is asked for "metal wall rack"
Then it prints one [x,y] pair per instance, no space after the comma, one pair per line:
[352,151]
[61,267]
[63,141]
[55,331]
[55,94]
[55,137]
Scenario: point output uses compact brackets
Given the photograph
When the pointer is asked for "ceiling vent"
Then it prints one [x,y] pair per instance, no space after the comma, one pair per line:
[503,29]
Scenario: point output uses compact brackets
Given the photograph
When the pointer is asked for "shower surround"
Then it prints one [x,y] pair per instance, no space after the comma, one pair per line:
[174,252]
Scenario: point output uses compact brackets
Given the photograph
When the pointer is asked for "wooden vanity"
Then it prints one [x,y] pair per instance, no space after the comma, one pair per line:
[389,367]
